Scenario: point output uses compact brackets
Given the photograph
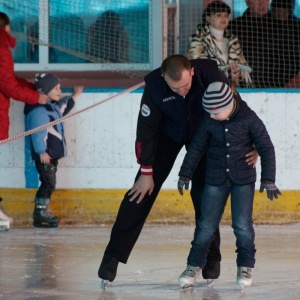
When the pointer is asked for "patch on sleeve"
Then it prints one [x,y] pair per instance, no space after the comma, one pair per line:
[145,110]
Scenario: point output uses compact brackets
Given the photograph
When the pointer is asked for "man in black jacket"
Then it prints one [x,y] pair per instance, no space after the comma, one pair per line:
[170,111]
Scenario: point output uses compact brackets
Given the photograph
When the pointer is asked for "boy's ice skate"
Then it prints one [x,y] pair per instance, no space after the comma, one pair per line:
[43,219]
[107,270]
[244,277]
[188,277]
[5,220]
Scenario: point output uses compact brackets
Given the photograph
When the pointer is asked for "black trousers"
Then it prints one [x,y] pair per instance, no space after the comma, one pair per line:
[131,216]
[47,176]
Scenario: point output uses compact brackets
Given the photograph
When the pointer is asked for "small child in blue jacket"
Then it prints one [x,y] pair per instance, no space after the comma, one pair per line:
[48,145]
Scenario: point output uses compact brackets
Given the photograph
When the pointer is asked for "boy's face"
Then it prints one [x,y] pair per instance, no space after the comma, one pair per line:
[223,115]
[55,93]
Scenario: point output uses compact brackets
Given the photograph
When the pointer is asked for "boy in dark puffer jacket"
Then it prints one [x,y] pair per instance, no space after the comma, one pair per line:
[229,132]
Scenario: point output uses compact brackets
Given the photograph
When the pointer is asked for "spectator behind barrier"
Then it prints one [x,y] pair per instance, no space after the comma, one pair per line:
[285,33]
[252,30]
[108,40]
[270,42]
[213,40]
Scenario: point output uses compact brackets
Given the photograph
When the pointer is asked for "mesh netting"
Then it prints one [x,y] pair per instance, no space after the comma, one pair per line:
[118,34]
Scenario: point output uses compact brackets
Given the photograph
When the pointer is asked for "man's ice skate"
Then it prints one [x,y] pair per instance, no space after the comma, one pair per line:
[188,277]
[43,219]
[107,270]
[210,283]
[5,220]
[244,277]
[210,272]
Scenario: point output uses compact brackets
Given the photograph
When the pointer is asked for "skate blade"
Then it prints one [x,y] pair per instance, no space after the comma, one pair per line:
[4,225]
[45,225]
[242,288]
[103,284]
[187,287]
[210,283]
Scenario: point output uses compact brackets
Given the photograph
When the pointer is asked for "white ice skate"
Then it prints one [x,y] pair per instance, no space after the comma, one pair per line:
[188,277]
[5,220]
[244,277]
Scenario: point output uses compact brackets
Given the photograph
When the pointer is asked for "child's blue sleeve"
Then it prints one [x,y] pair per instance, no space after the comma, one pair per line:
[66,104]
[36,118]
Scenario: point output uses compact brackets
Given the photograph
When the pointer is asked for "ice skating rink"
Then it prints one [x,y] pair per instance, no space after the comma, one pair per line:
[62,264]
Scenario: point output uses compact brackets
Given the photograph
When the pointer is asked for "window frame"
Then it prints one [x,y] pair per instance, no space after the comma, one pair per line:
[155,47]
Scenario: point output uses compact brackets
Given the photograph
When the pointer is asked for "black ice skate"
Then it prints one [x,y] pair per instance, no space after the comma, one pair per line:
[210,272]
[108,269]
[43,219]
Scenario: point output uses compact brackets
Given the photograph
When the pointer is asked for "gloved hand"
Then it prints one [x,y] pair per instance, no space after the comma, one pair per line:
[272,190]
[183,182]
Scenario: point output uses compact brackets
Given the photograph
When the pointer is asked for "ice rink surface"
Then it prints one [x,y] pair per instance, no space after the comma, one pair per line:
[62,264]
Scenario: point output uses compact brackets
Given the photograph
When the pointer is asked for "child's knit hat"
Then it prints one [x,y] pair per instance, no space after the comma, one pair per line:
[44,83]
[217,97]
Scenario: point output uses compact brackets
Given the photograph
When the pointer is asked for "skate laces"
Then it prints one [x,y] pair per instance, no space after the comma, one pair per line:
[191,271]
[47,214]
[245,272]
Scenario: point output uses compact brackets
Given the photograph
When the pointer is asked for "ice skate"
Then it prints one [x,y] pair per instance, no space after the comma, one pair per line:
[211,272]
[43,219]
[188,277]
[244,277]
[107,270]
[210,283]
[5,220]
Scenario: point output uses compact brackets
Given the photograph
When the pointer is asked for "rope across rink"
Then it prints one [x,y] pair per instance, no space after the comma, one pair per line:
[34,130]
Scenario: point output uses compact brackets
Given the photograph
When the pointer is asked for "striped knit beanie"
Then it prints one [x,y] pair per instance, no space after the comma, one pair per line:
[217,97]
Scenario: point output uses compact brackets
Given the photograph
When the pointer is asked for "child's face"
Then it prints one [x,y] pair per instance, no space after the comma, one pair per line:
[55,93]
[218,20]
[223,115]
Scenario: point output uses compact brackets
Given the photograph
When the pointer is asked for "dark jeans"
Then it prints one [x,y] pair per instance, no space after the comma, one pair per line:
[212,208]
[132,216]
[47,176]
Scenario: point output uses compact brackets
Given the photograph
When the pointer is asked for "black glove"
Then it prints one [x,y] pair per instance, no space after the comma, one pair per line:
[272,190]
[183,182]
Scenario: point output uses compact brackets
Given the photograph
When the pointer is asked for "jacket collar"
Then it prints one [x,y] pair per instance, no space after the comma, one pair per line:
[6,39]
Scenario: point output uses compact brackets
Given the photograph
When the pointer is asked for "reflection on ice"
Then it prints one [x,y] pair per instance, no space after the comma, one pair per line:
[63,264]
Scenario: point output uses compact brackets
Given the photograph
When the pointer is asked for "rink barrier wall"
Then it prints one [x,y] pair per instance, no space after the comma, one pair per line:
[97,207]
[100,142]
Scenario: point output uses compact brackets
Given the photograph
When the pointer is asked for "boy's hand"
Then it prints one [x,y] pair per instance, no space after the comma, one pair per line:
[183,182]
[45,158]
[78,89]
[272,190]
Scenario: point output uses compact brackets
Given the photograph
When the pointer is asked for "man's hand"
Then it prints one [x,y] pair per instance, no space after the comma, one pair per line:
[43,99]
[143,185]
[251,158]
[272,190]
[183,182]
